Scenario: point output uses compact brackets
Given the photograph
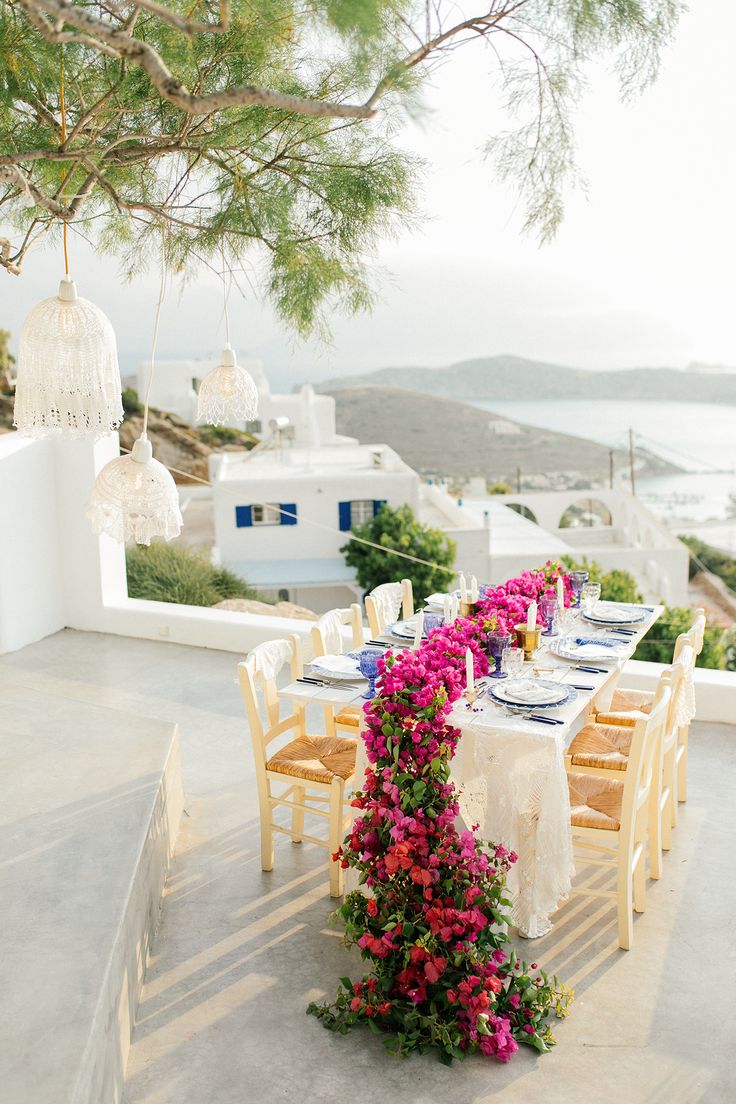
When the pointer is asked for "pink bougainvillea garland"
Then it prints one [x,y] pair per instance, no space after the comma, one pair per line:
[433,927]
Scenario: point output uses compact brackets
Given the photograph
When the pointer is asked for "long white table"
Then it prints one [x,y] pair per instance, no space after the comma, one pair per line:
[510,773]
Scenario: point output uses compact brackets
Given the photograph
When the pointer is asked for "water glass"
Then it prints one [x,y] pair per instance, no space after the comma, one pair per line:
[548,609]
[589,596]
[498,642]
[432,621]
[578,579]
[368,663]
[512,661]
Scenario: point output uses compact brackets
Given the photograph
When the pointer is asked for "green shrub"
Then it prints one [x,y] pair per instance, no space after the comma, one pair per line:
[658,645]
[167,573]
[131,402]
[616,585]
[399,529]
[719,563]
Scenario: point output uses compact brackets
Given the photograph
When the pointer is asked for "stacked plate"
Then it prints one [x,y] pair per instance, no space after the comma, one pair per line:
[613,613]
[405,630]
[595,649]
[526,693]
[337,667]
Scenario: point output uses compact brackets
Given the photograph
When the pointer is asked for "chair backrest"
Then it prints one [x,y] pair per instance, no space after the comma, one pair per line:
[645,758]
[383,604]
[327,636]
[694,636]
[258,674]
[685,656]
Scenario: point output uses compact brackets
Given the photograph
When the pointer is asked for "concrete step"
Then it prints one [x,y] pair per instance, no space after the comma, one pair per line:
[91,807]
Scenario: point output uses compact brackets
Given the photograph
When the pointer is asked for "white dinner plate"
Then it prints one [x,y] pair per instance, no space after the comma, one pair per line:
[337,667]
[531,692]
[605,613]
[406,630]
[588,649]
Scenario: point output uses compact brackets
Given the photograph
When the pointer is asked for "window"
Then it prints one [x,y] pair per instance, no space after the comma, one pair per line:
[268,514]
[358,512]
[196,384]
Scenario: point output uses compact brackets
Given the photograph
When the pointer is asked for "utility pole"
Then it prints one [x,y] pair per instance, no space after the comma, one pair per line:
[610,468]
[631,461]
[518,480]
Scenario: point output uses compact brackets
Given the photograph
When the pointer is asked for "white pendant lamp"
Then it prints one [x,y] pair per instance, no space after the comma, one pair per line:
[68,379]
[228,393]
[134,496]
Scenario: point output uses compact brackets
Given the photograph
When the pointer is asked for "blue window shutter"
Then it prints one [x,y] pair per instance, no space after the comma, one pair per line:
[243,516]
[377,504]
[344,514]
[290,507]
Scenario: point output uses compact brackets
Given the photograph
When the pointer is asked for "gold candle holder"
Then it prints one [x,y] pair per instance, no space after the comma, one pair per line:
[467,609]
[528,639]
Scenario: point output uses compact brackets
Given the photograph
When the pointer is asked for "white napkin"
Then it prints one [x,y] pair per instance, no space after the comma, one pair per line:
[595,651]
[527,691]
[613,613]
[337,665]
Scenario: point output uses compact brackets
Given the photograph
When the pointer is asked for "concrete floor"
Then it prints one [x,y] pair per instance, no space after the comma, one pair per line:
[240,952]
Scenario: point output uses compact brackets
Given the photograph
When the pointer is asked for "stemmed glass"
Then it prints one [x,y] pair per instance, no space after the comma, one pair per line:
[578,579]
[432,621]
[368,663]
[498,642]
[513,661]
[589,596]
[548,609]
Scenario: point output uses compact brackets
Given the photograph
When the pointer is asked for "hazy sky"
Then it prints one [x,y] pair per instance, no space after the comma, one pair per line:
[641,273]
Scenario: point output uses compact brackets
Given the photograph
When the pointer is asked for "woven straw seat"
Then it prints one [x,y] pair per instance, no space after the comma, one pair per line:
[599,745]
[595,802]
[315,758]
[349,716]
[625,707]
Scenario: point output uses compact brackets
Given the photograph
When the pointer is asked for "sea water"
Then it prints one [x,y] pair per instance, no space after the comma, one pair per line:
[698,437]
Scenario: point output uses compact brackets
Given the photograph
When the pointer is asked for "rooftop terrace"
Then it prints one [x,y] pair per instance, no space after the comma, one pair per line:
[240,953]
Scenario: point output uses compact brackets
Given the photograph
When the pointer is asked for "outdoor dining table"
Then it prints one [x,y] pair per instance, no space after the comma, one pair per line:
[510,771]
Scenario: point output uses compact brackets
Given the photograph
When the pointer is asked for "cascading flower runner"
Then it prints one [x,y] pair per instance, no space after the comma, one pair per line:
[442,973]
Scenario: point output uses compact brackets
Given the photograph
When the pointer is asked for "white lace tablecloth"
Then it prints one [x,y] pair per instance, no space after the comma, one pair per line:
[513,785]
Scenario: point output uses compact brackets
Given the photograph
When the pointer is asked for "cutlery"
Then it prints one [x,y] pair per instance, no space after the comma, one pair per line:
[312,681]
[591,670]
[545,720]
[576,687]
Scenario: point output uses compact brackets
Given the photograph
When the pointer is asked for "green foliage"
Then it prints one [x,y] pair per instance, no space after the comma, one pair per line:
[167,573]
[658,645]
[304,197]
[498,488]
[616,585]
[719,563]
[131,402]
[224,435]
[399,529]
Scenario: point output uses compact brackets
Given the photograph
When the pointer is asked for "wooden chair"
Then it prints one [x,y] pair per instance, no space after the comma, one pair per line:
[383,605]
[612,817]
[693,638]
[604,751]
[327,639]
[314,769]
[626,704]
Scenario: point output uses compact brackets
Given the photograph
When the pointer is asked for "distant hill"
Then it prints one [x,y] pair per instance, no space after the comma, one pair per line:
[511,377]
[438,436]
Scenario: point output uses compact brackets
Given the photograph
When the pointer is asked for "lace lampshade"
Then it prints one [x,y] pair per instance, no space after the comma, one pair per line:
[135,498]
[68,375]
[228,393]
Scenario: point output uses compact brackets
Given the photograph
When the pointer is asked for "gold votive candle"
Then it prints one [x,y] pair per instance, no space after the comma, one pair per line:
[467,609]
[528,639]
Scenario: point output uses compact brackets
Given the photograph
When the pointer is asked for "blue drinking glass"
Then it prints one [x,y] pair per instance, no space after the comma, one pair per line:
[498,642]
[578,579]
[368,663]
[432,621]
[548,609]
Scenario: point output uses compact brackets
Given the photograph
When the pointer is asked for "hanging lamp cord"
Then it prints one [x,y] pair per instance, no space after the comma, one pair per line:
[62,104]
[226,284]
[156,321]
